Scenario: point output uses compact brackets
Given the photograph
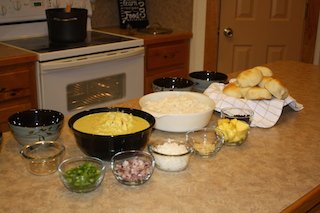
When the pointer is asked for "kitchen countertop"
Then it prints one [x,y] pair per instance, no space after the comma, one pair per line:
[11,55]
[274,168]
[149,38]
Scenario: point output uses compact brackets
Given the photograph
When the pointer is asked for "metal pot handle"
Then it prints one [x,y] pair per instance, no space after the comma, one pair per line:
[65,19]
[42,138]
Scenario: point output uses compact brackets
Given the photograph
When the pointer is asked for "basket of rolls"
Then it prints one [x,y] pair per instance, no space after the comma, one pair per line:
[258,89]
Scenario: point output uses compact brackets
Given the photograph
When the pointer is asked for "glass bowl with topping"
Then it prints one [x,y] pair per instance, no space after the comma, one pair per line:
[82,174]
[132,167]
[243,114]
[235,125]
[206,142]
[171,154]
[42,157]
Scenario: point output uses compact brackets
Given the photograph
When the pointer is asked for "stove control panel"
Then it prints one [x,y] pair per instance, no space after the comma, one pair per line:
[12,11]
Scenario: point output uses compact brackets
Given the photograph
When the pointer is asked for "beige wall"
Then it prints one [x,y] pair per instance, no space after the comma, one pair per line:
[176,14]
[184,15]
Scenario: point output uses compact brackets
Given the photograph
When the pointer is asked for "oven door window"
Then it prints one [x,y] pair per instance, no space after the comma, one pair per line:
[91,92]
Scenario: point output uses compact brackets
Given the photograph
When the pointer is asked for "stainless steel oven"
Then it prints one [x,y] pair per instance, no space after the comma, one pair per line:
[102,70]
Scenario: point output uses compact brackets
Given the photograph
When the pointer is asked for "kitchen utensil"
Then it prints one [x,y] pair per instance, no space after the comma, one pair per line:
[36,124]
[244,114]
[105,146]
[178,111]
[155,29]
[172,84]
[205,142]
[132,167]
[82,174]
[67,27]
[42,157]
[203,79]
[171,155]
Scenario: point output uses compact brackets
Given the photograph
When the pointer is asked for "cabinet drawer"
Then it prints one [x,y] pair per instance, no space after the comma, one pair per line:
[168,55]
[14,84]
[15,80]
[7,110]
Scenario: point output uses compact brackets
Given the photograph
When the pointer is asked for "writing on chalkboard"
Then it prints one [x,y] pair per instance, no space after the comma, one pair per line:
[133,13]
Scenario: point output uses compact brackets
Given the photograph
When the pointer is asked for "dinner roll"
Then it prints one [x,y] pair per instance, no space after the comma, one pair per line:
[244,90]
[257,93]
[232,90]
[277,89]
[264,70]
[264,80]
[249,78]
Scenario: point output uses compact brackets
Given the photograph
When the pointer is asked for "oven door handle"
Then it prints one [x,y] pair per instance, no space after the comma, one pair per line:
[59,65]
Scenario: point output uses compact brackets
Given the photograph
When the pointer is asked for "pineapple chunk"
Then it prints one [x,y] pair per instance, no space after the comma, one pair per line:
[233,130]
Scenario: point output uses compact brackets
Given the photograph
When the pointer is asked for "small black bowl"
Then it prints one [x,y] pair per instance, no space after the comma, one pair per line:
[172,84]
[203,79]
[104,147]
[36,124]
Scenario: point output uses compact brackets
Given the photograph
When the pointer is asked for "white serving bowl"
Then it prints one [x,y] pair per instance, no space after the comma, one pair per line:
[178,111]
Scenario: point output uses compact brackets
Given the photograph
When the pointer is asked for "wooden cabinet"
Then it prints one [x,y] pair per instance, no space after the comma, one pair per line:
[166,59]
[17,84]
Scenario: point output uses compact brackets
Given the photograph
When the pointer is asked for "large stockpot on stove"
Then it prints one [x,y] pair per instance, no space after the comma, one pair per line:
[64,27]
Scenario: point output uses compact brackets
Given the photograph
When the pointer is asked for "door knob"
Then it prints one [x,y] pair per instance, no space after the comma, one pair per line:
[228,32]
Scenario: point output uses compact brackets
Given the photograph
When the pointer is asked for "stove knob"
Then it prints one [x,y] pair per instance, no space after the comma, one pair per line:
[17,5]
[3,10]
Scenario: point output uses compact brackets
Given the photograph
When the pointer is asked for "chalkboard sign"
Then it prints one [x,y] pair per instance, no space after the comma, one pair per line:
[133,13]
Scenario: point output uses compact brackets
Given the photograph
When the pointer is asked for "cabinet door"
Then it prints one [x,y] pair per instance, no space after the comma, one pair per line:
[17,81]
[17,90]
[167,55]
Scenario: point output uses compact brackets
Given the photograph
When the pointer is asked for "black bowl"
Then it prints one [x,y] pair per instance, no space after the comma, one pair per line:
[36,124]
[104,147]
[203,79]
[209,76]
[172,84]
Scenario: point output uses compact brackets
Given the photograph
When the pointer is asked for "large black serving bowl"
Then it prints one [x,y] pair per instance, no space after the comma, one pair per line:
[104,147]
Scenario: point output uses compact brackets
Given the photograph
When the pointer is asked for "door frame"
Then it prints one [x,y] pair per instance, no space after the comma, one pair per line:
[212,33]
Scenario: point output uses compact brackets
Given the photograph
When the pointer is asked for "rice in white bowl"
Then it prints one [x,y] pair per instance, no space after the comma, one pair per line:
[178,111]
[177,103]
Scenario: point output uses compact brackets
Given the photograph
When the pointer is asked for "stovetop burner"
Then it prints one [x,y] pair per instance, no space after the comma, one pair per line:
[43,45]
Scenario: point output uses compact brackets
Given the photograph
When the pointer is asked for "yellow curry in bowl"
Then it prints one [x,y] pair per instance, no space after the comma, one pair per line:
[110,123]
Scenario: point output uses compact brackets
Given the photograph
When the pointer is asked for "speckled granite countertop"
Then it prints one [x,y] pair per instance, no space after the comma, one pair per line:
[270,171]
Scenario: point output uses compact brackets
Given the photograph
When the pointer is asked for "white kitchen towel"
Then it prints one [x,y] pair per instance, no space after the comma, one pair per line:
[266,112]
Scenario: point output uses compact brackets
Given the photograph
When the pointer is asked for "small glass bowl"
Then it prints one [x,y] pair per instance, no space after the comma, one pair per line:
[132,167]
[171,155]
[205,142]
[243,114]
[43,157]
[82,174]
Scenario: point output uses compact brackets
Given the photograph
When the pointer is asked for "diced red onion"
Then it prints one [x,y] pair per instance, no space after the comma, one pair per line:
[134,169]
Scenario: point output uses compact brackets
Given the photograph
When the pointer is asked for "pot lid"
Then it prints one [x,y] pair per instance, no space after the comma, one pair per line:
[155,29]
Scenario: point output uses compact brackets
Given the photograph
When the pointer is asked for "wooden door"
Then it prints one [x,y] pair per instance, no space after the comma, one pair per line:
[263,31]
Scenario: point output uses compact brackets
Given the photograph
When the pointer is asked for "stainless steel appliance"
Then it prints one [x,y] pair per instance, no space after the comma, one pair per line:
[102,70]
